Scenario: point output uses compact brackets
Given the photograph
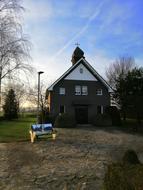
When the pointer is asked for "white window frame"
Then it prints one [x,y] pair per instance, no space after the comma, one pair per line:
[77,90]
[84,90]
[62,91]
[99,92]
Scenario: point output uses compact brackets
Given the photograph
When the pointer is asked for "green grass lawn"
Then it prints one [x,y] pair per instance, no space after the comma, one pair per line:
[16,130]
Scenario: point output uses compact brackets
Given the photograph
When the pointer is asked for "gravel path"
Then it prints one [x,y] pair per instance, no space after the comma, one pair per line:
[76,160]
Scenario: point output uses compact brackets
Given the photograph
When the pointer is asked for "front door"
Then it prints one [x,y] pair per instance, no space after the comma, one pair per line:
[81,114]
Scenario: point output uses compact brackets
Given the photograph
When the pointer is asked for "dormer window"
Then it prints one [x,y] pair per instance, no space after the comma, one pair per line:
[62,91]
[99,92]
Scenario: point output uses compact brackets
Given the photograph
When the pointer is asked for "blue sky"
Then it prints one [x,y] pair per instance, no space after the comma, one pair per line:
[105,30]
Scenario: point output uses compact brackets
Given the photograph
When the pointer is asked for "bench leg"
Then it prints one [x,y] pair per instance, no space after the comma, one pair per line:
[53,136]
[32,136]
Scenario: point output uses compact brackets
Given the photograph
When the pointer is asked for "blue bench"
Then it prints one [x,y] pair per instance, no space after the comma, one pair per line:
[40,129]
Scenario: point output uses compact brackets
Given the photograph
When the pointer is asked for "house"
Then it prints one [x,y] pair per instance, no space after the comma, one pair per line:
[80,91]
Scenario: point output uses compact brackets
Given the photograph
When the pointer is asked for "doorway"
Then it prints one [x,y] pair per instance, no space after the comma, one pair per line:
[81,114]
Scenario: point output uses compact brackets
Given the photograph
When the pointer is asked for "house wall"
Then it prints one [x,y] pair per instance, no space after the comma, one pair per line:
[70,100]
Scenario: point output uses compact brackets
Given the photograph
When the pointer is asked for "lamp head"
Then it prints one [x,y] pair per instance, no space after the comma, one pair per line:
[40,72]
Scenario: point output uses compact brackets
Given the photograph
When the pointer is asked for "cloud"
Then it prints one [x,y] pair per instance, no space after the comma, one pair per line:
[81,31]
[37,10]
[53,70]
[44,9]
[101,27]
[100,61]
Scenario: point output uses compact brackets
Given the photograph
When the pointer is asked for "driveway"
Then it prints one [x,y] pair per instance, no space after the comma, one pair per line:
[76,160]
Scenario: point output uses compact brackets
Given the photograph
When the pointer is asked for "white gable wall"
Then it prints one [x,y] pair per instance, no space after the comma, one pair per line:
[76,75]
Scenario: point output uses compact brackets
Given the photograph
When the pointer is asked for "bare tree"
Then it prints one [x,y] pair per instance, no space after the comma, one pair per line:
[14,47]
[116,74]
[119,68]
[32,95]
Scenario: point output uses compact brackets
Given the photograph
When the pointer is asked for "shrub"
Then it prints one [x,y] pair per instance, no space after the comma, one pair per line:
[102,120]
[114,114]
[45,118]
[64,121]
[49,119]
[126,175]
[2,118]
[130,157]
[116,178]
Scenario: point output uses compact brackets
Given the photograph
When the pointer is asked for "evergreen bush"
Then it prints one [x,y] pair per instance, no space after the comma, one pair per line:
[64,121]
[102,120]
[114,114]
[11,106]
[46,117]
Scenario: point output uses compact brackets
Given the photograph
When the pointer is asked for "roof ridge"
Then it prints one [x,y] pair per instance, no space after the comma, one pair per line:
[74,65]
[89,67]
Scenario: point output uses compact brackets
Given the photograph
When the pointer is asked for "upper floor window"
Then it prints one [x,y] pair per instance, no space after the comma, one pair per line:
[77,90]
[62,91]
[99,91]
[84,90]
[81,90]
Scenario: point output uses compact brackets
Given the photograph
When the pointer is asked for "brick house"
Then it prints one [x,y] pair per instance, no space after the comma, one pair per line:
[80,91]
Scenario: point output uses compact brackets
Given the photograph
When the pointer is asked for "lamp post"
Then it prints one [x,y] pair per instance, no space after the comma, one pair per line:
[38,104]
[0,89]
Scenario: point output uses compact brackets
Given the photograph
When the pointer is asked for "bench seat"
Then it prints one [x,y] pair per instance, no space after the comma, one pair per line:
[39,133]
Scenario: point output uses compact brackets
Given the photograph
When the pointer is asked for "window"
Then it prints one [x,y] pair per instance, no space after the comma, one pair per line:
[77,90]
[62,109]
[81,70]
[99,109]
[84,90]
[81,90]
[62,91]
[99,92]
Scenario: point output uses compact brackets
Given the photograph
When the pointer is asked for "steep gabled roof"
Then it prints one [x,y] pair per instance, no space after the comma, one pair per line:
[89,67]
